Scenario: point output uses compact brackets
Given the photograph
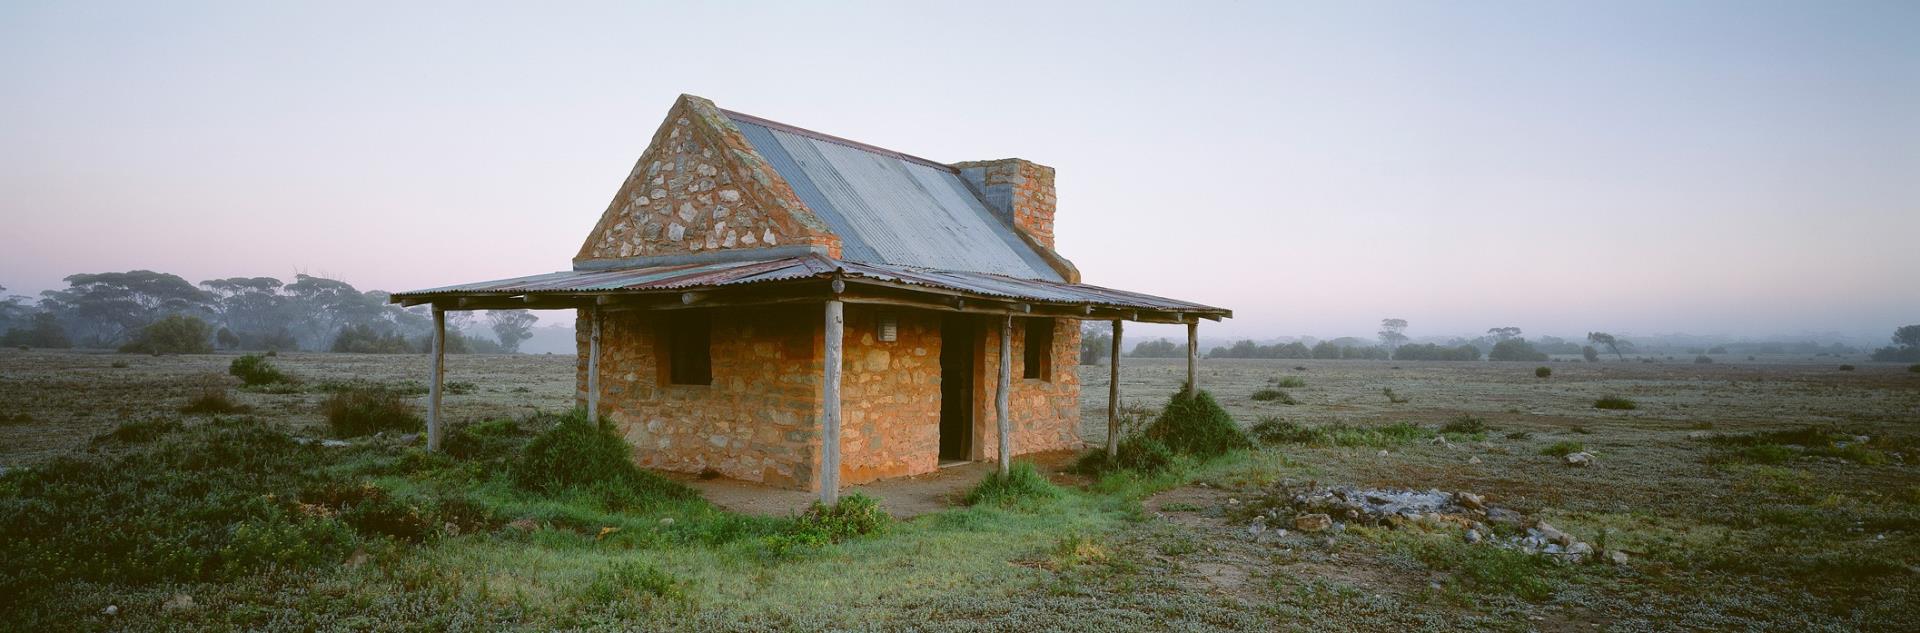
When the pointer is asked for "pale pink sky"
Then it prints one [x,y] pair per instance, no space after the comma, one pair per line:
[1740,167]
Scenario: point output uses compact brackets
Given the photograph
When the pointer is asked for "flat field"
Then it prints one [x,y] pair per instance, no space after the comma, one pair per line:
[1756,495]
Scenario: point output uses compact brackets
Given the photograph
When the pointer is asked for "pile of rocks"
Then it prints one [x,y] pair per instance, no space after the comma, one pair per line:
[1322,509]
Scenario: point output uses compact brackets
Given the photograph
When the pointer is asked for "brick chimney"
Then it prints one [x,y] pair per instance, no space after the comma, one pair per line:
[1019,190]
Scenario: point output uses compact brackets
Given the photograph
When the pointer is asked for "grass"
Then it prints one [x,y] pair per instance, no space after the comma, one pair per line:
[365,411]
[257,371]
[1563,448]
[1275,431]
[1022,485]
[1393,397]
[1464,424]
[1783,446]
[1274,395]
[1615,403]
[215,401]
[1289,382]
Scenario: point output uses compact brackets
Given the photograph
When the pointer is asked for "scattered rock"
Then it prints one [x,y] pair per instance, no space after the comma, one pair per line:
[179,602]
[1233,501]
[358,558]
[1552,534]
[1617,557]
[666,521]
[1700,435]
[1312,522]
[1383,452]
[524,525]
[1470,500]
[1473,536]
[111,610]
[335,443]
[1259,525]
[1581,459]
[1505,517]
[1473,460]
[450,529]
[407,439]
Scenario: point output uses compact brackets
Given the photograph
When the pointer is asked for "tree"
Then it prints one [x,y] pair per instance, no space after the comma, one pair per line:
[176,334]
[1905,348]
[1588,352]
[1504,333]
[1393,332]
[1515,349]
[511,327]
[1158,348]
[42,330]
[104,309]
[1096,341]
[1603,338]
[1326,350]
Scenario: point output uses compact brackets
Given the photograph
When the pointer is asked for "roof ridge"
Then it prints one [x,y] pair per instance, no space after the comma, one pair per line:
[837,140]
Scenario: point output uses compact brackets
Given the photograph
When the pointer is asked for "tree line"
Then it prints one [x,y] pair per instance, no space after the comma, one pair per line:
[147,311]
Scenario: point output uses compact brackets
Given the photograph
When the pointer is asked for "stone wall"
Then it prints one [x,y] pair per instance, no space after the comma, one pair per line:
[759,419]
[700,187]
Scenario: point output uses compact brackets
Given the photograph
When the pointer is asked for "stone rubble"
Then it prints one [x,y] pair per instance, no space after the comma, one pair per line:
[1316,509]
[1581,459]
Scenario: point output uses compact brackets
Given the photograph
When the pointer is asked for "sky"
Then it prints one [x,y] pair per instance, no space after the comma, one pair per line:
[1744,168]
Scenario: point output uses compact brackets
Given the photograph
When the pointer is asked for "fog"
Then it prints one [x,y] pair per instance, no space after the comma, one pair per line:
[1638,168]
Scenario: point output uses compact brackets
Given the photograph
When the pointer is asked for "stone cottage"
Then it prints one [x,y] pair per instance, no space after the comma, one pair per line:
[787,307]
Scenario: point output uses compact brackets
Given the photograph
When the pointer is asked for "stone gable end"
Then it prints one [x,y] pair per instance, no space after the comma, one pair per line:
[700,187]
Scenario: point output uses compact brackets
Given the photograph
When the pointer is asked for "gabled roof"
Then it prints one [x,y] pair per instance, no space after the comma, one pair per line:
[890,208]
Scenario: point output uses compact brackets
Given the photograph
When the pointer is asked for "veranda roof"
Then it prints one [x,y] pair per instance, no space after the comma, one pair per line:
[809,277]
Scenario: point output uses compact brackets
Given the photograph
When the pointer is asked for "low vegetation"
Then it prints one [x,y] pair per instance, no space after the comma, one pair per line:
[1563,448]
[175,334]
[1274,395]
[365,411]
[1615,403]
[1021,485]
[253,370]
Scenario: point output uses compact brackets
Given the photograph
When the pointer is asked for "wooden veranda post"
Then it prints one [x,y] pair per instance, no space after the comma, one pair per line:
[1113,394]
[593,366]
[438,375]
[1000,394]
[830,405]
[1193,356]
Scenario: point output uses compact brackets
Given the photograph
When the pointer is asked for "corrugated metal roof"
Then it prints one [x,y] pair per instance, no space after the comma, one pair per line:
[713,275]
[893,209]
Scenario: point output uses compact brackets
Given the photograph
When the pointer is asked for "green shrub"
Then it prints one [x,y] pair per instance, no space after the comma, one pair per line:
[364,339]
[1196,425]
[1563,448]
[282,541]
[357,412]
[1614,402]
[592,457]
[120,364]
[1518,435]
[1273,395]
[1290,382]
[1465,425]
[627,581]
[138,432]
[176,334]
[1488,569]
[1846,368]
[1543,372]
[1137,453]
[1273,430]
[257,370]
[215,401]
[494,441]
[1703,359]
[1023,483]
[852,516]
[1277,431]
[1393,397]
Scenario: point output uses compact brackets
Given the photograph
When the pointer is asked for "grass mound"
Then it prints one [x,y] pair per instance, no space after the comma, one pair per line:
[365,411]
[1194,424]
[1289,382]
[1465,425]
[854,515]
[1023,483]
[213,401]
[1779,447]
[255,371]
[1563,448]
[1137,453]
[1274,395]
[1274,431]
[590,456]
[1616,403]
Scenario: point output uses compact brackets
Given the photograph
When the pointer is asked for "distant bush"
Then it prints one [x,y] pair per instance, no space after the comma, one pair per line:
[1614,402]
[1273,395]
[1588,352]
[1563,448]
[176,334]
[1159,348]
[1703,359]
[1430,351]
[1465,425]
[1905,348]
[1543,372]
[256,370]
[589,456]
[1393,397]
[1250,349]
[1023,483]
[1846,368]
[213,400]
[43,331]
[1515,349]
[1290,382]
[364,339]
[365,411]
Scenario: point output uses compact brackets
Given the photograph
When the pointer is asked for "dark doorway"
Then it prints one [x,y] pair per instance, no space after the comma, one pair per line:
[956,388]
